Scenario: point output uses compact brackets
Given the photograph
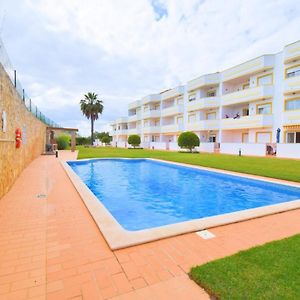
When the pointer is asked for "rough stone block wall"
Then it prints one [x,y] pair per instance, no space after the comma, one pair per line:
[12,160]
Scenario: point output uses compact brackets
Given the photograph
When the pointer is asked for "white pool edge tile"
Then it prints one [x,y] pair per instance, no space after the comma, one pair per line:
[117,237]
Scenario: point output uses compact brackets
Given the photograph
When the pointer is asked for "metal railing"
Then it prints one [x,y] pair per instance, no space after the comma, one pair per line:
[25,100]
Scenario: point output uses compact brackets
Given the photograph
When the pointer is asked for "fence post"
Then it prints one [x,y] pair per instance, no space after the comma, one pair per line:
[15,78]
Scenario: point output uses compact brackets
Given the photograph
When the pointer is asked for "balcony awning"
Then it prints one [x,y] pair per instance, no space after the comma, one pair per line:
[297,126]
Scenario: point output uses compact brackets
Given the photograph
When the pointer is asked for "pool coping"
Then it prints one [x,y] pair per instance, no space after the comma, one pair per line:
[117,237]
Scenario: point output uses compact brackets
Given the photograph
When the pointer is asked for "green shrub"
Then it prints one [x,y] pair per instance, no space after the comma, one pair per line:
[105,139]
[134,140]
[188,140]
[81,140]
[63,141]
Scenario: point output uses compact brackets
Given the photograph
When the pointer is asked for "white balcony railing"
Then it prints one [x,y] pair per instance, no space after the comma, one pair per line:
[135,104]
[122,131]
[291,85]
[204,125]
[172,93]
[153,98]
[171,128]
[204,80]
[248,95]
[291,52]
[254,121]
[151,114]
[172,110]
[152,129]
[203,103]
[291,118]
[253,66]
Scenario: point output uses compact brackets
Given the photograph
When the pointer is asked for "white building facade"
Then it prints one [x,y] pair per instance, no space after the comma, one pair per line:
[252,108]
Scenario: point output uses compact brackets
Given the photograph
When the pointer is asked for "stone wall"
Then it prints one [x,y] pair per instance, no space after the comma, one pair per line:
[12,160]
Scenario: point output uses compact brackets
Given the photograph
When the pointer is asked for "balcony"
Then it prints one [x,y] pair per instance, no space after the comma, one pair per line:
[151,129]
[248,95]
[291,52]
[172,93]
[291,118]
[203,103]
[134,104]
[172,110]
[134,118]
[253,66]
[134,131]
[154,113]
[121,120]
[204,80]
[153,98]
[121,131]
[171,128]
[291,85]
[204,125]
[254,121]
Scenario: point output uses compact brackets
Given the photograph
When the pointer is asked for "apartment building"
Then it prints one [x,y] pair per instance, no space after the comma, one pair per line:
[252,108]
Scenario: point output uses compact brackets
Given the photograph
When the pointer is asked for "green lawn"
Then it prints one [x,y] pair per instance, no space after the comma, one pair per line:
[269,167]
[270,272]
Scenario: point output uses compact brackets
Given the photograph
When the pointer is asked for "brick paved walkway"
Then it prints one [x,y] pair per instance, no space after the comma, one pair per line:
[50,247]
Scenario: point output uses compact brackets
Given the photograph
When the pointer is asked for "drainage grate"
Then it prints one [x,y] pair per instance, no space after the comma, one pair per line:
[41,196]
[205,234]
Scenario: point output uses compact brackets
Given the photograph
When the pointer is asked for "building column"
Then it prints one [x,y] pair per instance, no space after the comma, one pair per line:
[73,141]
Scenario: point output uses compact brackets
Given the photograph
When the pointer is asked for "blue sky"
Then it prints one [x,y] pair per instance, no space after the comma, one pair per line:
[126,49]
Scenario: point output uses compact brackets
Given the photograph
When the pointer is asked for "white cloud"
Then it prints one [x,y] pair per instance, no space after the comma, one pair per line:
[136,53]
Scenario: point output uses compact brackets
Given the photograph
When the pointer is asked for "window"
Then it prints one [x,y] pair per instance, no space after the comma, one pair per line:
[192,97]
[180,101]
[211,93]
[212,138]
[293,137]
[293,72]
[179,120]
[192,118]
[264,109]
[211,116]
[292,104]
[246,86]
[265,79]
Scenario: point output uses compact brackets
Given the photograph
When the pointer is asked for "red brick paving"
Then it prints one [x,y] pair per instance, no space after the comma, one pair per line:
[50,247]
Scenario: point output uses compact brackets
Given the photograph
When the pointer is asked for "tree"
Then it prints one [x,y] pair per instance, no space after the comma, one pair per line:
[100,135]
[91,107]
[134,140]
[105,139]
[188,140]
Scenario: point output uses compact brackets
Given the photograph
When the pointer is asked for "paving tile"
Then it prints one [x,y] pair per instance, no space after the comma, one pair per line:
[51,248]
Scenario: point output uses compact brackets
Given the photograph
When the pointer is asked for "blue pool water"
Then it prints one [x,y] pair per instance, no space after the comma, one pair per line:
[142,194]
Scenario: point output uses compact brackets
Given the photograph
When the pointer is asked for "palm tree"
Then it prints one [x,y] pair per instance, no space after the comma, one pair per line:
[91,107]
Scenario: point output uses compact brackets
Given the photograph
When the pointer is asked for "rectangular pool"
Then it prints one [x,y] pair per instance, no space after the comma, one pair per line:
[142,194]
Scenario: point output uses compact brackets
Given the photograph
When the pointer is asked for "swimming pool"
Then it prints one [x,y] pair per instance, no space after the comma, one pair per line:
[142,194]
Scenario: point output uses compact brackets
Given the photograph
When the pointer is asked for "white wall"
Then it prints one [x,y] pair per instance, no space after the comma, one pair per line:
[122,144]
[173,146]
[206,147]
[288,150]
[158,145]
[246,148]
